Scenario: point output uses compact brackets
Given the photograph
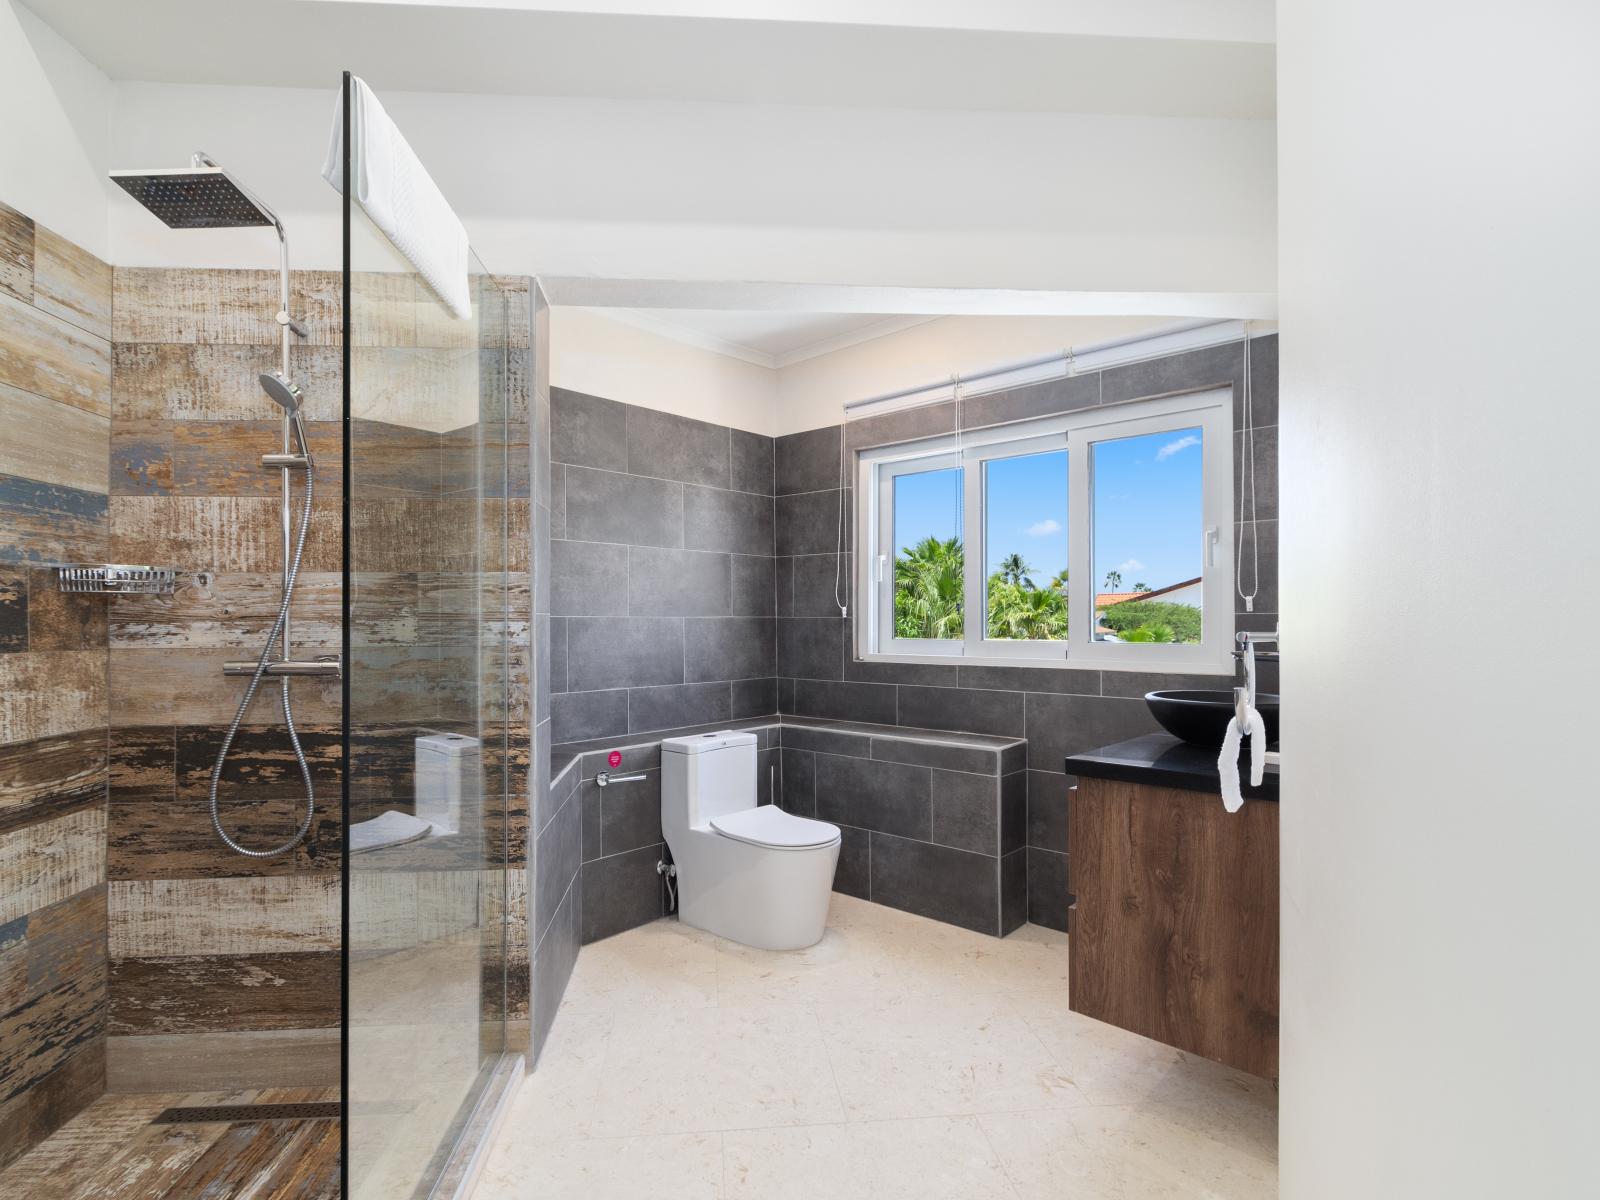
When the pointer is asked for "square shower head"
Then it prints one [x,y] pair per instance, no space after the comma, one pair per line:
[192,197]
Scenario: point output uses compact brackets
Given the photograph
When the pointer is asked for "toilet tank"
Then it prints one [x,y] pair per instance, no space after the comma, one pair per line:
[449,782]
[707,775]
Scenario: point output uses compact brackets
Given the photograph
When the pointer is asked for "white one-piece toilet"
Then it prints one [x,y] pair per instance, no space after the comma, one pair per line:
[753,874]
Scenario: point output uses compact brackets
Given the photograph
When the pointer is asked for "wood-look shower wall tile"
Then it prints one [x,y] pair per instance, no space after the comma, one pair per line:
[43,694]
[206,995]
[46,862]
[218,382]
[13,609]
[45,355]
[66,940]
[48,777]
[48,523]
[60,620]
[261,761]
[16,253]
[141,457]
[171,838]
[196,533]
[383,308]
[286,914]
[219,307]
[143,762]
[53,442]
[223,458]
[183,686]
[44,1033]
[30,1117]
[71,283]
[235,608]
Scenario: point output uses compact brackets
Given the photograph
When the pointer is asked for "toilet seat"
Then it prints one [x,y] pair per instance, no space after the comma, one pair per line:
[775,829]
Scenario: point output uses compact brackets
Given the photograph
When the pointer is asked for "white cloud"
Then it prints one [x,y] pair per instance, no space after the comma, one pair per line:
[1133,564]
[1044,528]
[1177,447]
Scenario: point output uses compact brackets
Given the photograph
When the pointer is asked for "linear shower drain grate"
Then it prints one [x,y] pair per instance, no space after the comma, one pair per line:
[208,1113]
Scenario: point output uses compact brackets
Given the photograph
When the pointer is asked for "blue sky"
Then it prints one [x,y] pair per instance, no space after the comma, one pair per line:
[1147,493]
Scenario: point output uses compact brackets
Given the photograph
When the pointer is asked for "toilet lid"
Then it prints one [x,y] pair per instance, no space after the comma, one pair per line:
[769,825]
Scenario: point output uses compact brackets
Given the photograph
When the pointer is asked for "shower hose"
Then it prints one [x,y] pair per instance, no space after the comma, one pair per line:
[288,712]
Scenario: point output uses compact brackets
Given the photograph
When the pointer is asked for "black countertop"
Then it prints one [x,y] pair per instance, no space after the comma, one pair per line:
[1162,760]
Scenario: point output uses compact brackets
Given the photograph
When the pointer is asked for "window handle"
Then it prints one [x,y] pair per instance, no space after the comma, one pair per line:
[883,561]
[1213,536]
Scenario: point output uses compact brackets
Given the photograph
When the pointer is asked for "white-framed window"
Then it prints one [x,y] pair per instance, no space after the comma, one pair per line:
[1101,538]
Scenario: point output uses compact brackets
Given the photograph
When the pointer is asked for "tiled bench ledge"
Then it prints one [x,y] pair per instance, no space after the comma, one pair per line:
[933,823]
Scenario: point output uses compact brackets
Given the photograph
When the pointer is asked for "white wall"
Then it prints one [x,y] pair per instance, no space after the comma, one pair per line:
[1441,813]
[701,191]
[591,353]
[55,131]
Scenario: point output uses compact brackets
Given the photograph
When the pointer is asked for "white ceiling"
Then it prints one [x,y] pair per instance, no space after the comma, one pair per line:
[1193,58]
[767,339]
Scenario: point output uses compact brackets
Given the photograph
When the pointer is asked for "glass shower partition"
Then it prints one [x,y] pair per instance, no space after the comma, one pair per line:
[432,660]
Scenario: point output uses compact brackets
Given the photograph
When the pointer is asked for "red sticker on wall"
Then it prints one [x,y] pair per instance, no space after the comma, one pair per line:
[614,759]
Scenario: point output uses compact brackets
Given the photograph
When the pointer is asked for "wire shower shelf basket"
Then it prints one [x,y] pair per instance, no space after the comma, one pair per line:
[117,579]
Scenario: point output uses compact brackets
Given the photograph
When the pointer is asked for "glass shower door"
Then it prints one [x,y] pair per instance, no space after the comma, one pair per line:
[427,706]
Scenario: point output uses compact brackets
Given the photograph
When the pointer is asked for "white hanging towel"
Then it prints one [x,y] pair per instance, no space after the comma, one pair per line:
[1228,760]
[397,192]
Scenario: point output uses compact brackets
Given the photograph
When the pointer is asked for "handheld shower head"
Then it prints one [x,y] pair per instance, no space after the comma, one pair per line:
[283,392]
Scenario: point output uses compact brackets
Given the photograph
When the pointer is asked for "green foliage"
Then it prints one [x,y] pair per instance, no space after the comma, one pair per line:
[1148,633]
[928,585]
[1179,621]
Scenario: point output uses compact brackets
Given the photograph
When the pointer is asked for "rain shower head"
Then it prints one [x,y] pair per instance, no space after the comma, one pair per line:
[198,197]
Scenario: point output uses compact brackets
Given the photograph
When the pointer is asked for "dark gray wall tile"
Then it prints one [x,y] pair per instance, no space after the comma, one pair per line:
[807,462]
[808,523]
[1266,481]
[1048,794]
[905,425]
[799,782]
[558,500]
[737,522]
[672,447]
[816,580]
[829,741]
[621,893]
[870,702]
[684,704]
[1045,399]
[1013,891]
[1266,590]
[753,698]
[929,674]
[1078,681]
[588,579]
[1014,758]
[1062,725]
[1264,383]
[1048,897]
[966,811]
[1134,684]
[558,654]
[1191,371]
[882,796]
[678,583]
[554,956]
[728,648]
[947,885]
[627,652]
[646,757]
[630,813]
[752,462]
[853,875]
[1013,811]
[588,430]
[589,800]
[751,585]
[783,586]
[557,856]
[607,507]
[811,647]
[967,709]
[949,756]
[579,716]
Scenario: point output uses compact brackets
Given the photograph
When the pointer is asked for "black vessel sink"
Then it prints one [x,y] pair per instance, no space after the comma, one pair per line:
[1201,717]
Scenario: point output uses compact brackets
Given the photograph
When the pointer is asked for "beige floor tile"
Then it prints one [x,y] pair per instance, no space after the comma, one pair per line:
[1112,1066]
[676,1166]
[845,965]
[1120,1153]
[939,1158]
[660,965]
[940,1055]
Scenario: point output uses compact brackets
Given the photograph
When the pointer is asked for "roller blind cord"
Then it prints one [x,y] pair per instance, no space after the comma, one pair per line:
[1247,484]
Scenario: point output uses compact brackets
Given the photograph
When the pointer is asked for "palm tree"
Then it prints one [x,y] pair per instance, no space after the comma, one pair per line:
[928,586]
[1059,583]
[1015,569]
[1031,614]
[1113,580]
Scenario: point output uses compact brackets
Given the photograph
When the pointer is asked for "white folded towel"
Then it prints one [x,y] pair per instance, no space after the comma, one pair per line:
[400,196]
[1228,760]
[391,828]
